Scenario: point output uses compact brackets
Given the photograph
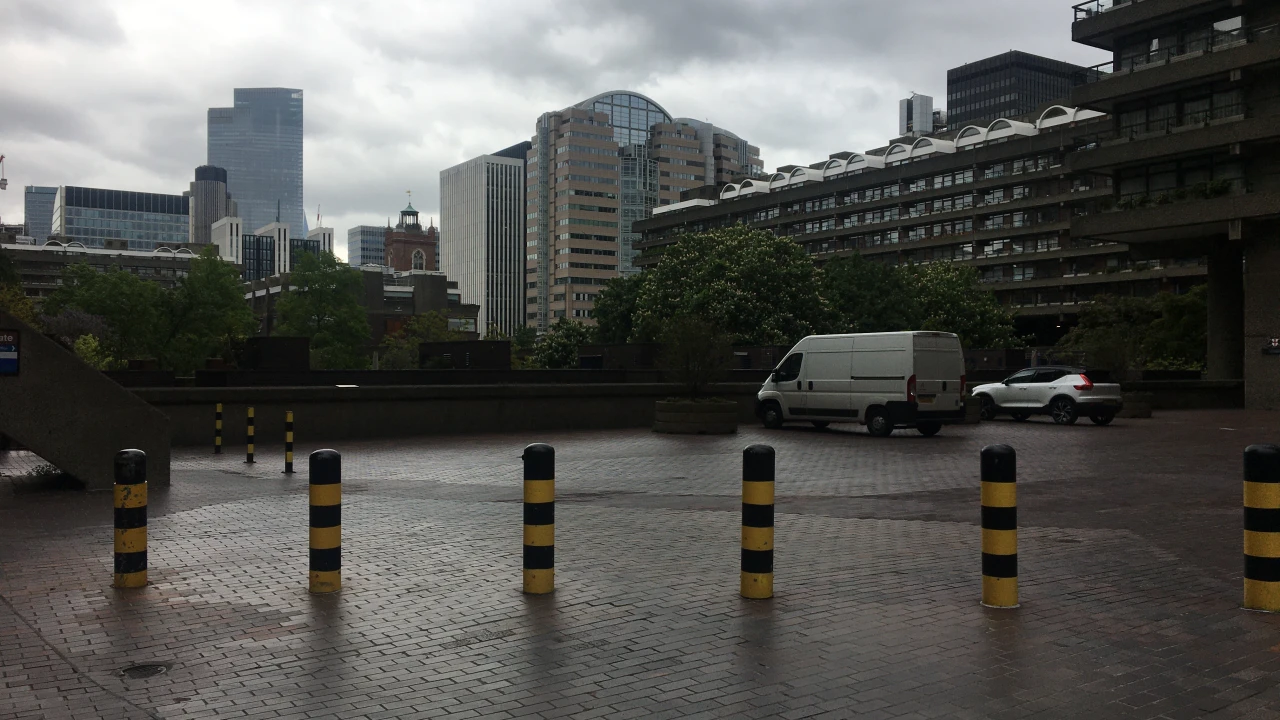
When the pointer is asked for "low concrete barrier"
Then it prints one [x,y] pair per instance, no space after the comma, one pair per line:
[1189,394]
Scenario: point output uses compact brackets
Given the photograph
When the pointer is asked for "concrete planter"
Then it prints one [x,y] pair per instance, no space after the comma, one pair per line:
[714,417]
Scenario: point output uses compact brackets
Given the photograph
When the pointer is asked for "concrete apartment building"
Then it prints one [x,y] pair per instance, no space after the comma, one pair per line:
[1193,147]
[482,211]
[595,169]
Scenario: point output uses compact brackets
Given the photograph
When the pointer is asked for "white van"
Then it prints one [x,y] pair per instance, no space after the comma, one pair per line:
[882,380]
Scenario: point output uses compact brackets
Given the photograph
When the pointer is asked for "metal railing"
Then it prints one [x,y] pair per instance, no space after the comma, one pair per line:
[1217,40]
[1091,8]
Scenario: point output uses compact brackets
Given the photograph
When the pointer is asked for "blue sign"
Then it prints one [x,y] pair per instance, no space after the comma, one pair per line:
[8,352]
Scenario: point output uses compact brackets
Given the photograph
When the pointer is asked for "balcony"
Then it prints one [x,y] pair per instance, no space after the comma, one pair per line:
[1201,60]
[1099,22]
[1114,149]
[1190,220]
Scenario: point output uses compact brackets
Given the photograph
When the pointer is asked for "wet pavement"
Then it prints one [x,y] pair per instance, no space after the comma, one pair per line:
[1130,574]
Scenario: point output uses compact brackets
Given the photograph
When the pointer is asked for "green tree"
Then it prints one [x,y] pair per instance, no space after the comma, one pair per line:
[400,351]
[615,308]
[323,305]
[1120,332]
[206,314]
[87,349]
[134,310]
[522,342]
[558,347]
[868,296]
[695,352]
[949,298]
[14,301]
[759,288]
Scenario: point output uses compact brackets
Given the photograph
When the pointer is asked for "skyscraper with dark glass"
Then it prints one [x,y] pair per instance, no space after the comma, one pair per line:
[1006,85]
[259,143]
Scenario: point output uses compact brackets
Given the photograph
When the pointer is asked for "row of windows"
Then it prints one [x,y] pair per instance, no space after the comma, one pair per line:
[586,208]
[612,152]
[592,223]
[585,266]
[585,236]
[585,251]
[586,193]
[587,164]
[681,176]
[588,179]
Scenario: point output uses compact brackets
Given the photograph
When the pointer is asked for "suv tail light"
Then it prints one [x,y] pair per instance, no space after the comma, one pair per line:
[1086,385]
[911,389]
[963,384]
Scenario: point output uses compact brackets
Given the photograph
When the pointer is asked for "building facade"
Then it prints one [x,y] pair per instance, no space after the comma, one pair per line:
[267,251]
[91,216]
[366,245]
[1001,198]
[1007,85]
[595,169]
[37,215]
[210,202]
[40,266]
[917,118]
[409,246]
[1193,150]
[259,142]
[482,223]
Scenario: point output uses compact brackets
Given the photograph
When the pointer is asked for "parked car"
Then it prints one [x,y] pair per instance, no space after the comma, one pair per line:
[1062,392]
[881,380]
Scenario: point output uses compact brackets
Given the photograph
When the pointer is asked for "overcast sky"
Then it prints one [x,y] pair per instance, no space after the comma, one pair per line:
[113,94]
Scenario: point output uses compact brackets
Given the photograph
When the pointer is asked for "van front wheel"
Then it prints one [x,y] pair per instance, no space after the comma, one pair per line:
[878,424]
[771,416]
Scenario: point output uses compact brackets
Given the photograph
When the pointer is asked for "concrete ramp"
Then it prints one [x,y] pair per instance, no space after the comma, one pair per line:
[72,415]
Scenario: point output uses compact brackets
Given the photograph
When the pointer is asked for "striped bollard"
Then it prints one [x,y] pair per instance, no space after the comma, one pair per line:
[248,431]
[217,429]
[539,519]
[130,519]
[288,442]
[1262,528]
[999,527]
[757,522]
[326,521]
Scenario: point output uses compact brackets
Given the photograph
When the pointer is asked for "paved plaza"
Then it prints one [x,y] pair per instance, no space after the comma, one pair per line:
[1130,573]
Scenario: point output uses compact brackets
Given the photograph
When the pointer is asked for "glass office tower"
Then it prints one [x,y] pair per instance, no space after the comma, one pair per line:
[38,211]
[259,142]
[92,216]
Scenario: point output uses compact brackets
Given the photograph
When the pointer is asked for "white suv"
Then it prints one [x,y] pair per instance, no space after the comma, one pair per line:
[1064,393]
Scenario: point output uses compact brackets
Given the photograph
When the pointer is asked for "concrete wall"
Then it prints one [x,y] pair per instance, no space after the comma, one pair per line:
[74,416]
[1262,321]
[329,414]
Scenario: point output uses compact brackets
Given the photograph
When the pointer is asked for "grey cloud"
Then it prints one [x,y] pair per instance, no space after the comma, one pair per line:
[88,22]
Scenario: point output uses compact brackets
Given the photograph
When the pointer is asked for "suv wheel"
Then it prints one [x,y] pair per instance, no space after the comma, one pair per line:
[928,429]
[1063,410]
[988,407]
[1102,418]
[771,416]
[878,423]
[1020,416]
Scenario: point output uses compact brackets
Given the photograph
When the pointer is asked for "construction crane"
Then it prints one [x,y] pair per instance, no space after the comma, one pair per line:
[4,181]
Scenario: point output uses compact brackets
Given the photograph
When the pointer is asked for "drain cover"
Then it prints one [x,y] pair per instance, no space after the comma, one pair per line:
[140,672]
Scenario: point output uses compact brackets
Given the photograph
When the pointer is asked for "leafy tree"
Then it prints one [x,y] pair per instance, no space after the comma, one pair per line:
[400,351]
[134,310]
[759,288]
[87,349]
[1163,331]
[949,298]
[615,308]
[522,343]
[558,348]
[206,313]
[323,305]
[695,352]
[14,301]
[868,296]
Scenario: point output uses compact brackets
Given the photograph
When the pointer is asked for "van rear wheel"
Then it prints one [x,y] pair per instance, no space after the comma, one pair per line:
[928,429]
[821,424]
[878,424]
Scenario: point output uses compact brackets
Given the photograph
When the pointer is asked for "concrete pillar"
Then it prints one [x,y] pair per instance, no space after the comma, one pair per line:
[1226,311]
[1262,321]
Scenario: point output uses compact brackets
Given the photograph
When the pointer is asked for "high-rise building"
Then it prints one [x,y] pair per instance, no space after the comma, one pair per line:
[918,117]
[259,143]
[268,250]
[366,245]
[210,202]
[593,170]
[1007,85]
[482,234]
[146,221]
[409,246]
[38,211]
[322,238]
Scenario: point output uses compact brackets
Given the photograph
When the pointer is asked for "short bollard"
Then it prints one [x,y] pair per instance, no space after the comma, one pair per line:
[288,442]
[757,522]
[539,519]
[131,519]
[999,527]
[248,431]
[217,429]
[1262,528]
[325,468]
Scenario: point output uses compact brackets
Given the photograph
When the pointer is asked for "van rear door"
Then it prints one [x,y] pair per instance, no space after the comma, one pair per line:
[938,366]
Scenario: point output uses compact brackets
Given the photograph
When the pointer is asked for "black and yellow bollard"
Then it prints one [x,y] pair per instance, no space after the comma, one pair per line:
[326,521]
[131,519]
[217,429]
[1262,528]
[999,527]
[248,432]
[539,519]
[288,442]
[757,522]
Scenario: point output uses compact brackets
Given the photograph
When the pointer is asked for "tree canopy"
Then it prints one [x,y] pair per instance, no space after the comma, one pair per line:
[1162,331]
[400,351]
[558,347]
[323,305]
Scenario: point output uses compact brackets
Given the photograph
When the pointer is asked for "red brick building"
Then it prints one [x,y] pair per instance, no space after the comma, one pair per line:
[410,246]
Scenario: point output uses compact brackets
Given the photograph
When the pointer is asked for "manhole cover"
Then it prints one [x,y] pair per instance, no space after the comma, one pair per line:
[140,672]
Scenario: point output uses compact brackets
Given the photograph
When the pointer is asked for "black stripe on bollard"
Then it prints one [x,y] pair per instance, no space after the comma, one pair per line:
[325,493]
[539,519]
[1262,528]
[756,563]
[248,431]
[999,527]
[130,495]
[217,429]
[288,442]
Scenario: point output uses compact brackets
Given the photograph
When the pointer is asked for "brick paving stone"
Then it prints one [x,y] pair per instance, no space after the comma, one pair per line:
[1129,558]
